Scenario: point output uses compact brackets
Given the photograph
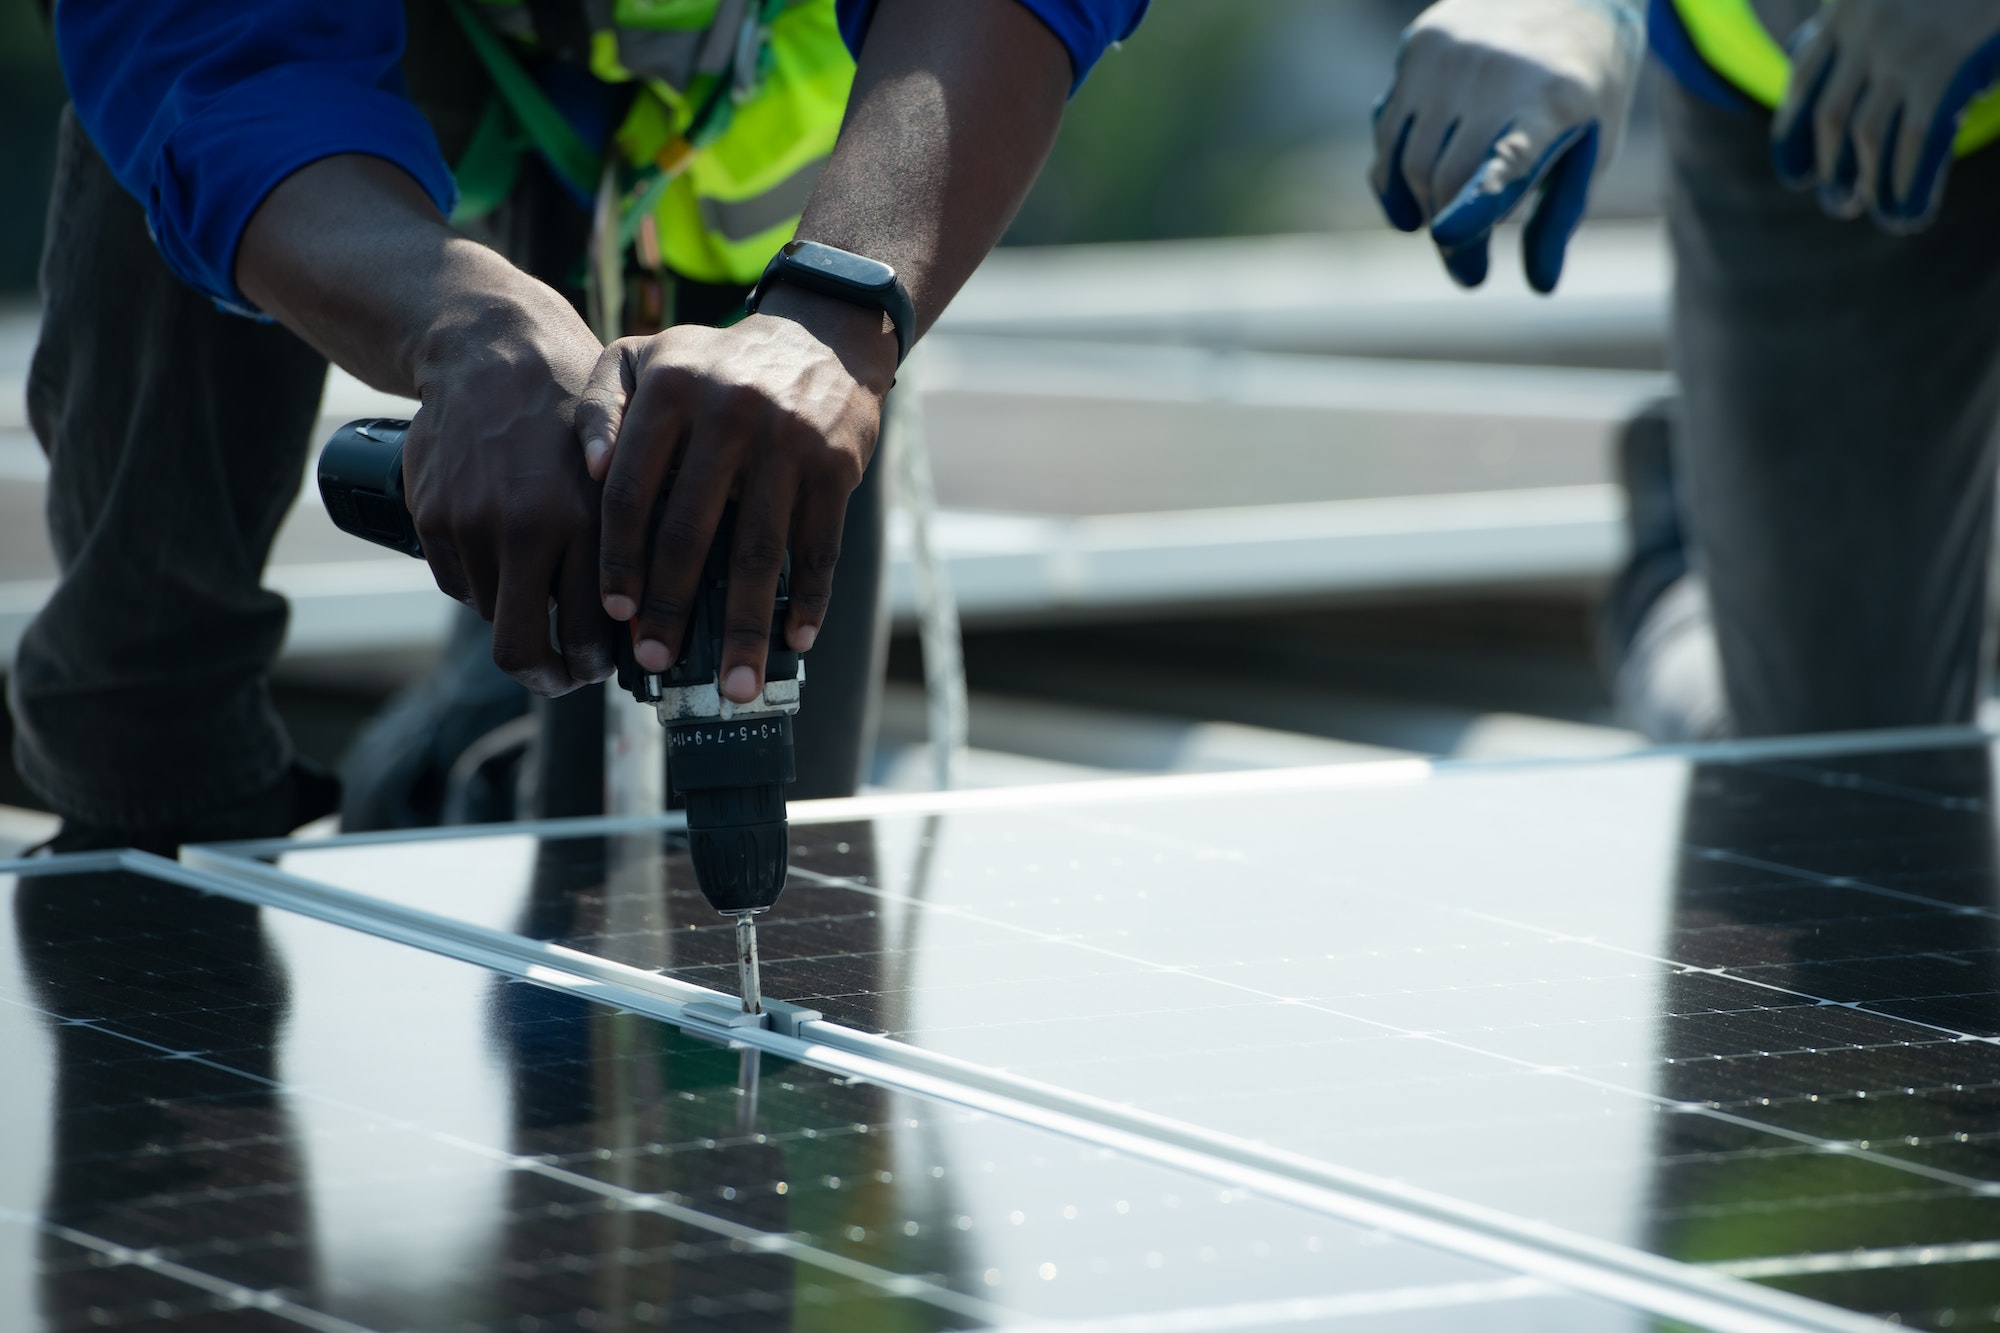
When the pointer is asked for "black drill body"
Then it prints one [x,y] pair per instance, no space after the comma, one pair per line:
[729,763]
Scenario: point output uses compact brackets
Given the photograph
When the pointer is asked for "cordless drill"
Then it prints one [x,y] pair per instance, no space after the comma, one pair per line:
[728,761]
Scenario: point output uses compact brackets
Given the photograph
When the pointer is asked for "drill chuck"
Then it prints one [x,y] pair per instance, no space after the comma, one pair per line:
[740,843]
[728,762]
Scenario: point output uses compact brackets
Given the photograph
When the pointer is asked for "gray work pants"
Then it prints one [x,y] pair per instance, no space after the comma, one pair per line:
[1835,451]
[177,437]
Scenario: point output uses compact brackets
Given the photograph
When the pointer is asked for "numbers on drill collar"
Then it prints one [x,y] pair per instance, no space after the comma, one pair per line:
[728,733]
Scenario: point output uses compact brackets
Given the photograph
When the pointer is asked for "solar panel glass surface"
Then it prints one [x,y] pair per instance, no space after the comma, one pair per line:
[232,1117]
[1735,1012]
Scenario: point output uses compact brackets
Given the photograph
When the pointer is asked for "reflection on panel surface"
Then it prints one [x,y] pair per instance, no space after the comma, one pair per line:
[1737,1013]
[227,1117]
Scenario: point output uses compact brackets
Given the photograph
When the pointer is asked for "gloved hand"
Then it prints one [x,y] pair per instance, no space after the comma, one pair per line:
[1493,98]
[1876,93]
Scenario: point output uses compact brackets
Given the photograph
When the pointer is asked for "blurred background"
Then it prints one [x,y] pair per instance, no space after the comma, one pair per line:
[1228,473]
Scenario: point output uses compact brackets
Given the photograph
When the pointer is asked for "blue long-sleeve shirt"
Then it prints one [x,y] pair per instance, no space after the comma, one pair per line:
[201,107]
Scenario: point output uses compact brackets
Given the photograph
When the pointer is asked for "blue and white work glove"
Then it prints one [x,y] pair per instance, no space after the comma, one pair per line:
[1494,100]
[1877,90]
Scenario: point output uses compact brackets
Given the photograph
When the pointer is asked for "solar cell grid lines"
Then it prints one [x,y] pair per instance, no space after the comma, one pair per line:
[226,1116]
[1738,1012]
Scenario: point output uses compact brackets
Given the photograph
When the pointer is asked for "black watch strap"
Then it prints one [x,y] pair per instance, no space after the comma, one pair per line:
[845,276]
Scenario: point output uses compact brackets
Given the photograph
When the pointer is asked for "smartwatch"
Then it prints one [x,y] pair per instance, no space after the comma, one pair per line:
[845,276]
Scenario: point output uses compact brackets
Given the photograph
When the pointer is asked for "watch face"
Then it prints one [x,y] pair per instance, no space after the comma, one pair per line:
[850,270]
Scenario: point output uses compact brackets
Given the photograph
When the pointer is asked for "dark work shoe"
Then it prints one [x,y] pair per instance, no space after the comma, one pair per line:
[306,792]
[1659,548]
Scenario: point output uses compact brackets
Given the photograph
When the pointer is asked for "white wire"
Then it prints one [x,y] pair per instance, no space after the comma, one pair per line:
[937,608]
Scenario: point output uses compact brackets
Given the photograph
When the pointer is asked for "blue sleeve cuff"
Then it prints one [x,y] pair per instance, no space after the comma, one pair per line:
[215,168]
[1086,28]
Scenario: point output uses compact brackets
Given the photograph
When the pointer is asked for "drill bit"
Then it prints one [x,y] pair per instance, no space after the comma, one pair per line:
[746,963]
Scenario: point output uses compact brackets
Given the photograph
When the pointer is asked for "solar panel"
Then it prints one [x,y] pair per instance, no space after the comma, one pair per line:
[221,1116]
[1737,1010]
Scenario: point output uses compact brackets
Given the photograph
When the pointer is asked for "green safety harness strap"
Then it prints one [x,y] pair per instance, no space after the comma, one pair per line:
[490,165]
[710,120]
[487,171]
[484,180]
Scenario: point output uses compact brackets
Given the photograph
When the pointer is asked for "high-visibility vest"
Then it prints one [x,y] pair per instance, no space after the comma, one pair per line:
[1734,42]
[738,107]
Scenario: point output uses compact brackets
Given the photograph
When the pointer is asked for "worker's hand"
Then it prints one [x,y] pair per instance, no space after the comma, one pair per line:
[1876,93]
[780,413]
[350,254]
[497,489]
[1493,99]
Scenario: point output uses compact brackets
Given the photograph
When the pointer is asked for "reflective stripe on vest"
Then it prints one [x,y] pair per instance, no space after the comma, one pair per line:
[738,199]
[1736,45]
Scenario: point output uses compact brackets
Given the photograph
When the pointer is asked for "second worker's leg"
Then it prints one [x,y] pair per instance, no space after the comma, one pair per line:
[1840,393]
[176,437]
